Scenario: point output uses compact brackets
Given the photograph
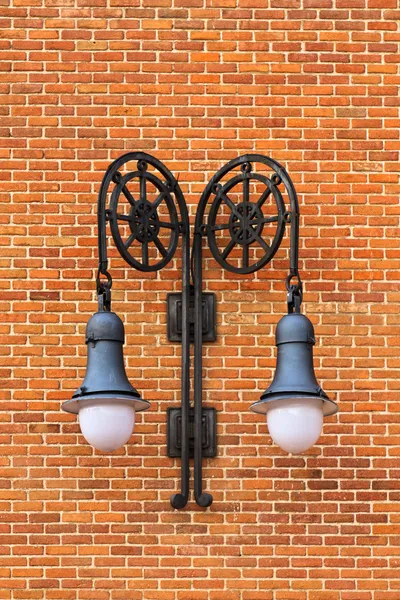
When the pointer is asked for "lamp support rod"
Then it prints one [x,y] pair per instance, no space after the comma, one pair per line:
[141,227]
[247,218]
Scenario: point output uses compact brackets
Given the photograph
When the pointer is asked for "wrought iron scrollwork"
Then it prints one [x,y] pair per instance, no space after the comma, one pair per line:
[247,220]
[145,223]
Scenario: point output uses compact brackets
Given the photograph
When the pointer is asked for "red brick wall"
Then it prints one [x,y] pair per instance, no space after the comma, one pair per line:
[313,83]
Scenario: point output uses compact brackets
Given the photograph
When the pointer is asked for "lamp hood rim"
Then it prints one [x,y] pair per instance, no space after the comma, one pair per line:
[74,404]
[329,407]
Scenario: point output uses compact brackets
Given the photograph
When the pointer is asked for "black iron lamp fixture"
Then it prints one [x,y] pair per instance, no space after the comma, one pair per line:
[147,214]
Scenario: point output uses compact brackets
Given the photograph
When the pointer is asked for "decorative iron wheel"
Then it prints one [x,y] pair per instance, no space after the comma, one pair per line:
[249,224]
[151,225]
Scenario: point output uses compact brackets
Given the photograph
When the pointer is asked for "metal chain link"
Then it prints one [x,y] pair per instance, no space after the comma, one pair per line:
[103,289]
[295,293]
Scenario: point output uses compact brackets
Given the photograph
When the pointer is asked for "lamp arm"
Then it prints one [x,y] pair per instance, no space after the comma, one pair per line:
[103,288]
[202,498]
[112,174]
[294,218]
[295,290]
[202,229]
[179,500]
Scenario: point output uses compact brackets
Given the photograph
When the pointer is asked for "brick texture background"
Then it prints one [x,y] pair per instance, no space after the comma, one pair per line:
[313,83]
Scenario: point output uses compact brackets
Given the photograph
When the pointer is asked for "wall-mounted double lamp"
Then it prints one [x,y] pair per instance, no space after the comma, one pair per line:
[147,214]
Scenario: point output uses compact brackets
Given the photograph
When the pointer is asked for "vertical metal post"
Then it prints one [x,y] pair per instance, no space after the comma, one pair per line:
[181,499]
[202,498]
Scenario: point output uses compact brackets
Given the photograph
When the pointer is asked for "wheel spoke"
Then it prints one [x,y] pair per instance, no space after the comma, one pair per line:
[230,204]
[263,197]
[219,227]
[160,246]
[128,196]
[124,217]
[262,243]
[228,249]
[145,252]
[143,191]
[246,191]
[246,255]
[167,225]
[266,220]
[129,241]
[270,219]
[245,226]
[158,200]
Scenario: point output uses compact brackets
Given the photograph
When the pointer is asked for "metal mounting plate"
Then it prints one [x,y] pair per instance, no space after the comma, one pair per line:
[209,432]
[174,317]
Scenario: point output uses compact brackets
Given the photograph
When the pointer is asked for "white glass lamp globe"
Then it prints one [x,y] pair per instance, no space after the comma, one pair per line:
[106,425]
[295,424]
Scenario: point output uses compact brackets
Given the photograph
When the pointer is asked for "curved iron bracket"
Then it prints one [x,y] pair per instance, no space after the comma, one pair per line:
[145,223]
[245,227]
